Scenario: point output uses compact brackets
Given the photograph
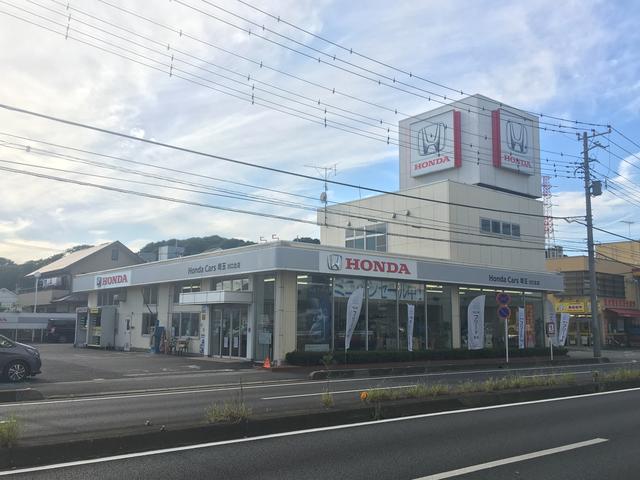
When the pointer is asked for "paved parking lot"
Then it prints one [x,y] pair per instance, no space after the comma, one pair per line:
[64,363]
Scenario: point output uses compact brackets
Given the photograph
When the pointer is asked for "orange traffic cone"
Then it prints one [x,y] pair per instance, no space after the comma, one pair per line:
[267,363]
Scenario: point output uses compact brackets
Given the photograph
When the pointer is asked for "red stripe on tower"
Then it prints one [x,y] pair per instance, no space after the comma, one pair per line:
[457,140]
[495,138]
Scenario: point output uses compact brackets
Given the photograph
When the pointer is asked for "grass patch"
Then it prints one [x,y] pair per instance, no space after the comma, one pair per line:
[327,399]
[424,391]
[9,432]
[232,412]
[619,375]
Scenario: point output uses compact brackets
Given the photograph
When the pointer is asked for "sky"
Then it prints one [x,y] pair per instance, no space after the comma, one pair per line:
[188,73]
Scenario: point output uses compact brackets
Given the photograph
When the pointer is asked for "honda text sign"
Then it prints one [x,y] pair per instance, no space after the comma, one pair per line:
[512,142]
[367,265]
[113,280]
[435,144]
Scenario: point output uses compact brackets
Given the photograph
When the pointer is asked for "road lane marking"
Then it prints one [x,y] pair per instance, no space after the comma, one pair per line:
[517,458]
[315,394]
[301,432]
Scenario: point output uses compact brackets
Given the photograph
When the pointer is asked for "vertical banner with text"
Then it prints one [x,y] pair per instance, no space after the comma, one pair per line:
[475,323]
[410,318]
[354,305]
[522,326]
[564,328]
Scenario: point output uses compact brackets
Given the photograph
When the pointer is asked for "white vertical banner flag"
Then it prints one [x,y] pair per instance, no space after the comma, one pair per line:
[521,327]
[410,318]
[550,317]
[564,329]
[354,305]
[475,323]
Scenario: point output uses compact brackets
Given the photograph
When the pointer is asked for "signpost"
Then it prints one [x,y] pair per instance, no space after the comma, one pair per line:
[551,332]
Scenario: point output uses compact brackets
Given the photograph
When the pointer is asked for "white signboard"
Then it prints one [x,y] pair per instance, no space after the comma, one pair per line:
[475,323]
[515,149]
[354,305]
[367,265]
[112,280]
[564,328]
[433,143]
[410,319]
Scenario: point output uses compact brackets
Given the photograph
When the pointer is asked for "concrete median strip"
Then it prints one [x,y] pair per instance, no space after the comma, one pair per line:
[20,395]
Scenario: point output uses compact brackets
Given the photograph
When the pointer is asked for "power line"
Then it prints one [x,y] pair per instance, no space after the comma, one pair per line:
[474,150]
[253,165]
[36,150]
[241,211]
[407,73]
[428,95]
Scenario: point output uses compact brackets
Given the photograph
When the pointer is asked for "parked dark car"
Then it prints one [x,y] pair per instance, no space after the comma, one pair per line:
[17,360]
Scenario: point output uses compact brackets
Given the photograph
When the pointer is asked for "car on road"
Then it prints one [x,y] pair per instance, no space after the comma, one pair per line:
[17,360]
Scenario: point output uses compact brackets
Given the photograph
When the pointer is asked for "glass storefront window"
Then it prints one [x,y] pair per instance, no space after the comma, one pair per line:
[439,317]
[382,310]
[343,289]
[313,325]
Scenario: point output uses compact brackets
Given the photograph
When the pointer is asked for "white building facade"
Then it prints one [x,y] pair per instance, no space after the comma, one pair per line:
[466,222]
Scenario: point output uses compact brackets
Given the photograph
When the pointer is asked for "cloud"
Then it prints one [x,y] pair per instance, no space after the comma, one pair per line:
[531,54]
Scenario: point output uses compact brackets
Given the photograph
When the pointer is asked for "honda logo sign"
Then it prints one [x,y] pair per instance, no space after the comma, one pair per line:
[512,142]
[435,144]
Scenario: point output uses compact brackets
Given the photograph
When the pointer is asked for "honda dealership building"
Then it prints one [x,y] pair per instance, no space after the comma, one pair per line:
[393,272]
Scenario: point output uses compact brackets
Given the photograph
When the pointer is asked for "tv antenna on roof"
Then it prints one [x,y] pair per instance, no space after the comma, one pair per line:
[325,173]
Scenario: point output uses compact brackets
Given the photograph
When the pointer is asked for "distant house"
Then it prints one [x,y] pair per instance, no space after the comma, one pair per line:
[55,293]
[8,300]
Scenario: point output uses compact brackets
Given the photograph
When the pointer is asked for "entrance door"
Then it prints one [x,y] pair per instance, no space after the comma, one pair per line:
[231,323]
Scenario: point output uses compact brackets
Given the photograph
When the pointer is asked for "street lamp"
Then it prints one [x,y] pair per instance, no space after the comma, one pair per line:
[35,302]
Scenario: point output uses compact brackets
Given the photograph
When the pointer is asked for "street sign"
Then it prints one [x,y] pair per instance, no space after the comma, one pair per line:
[551,329]
[503,298]
[504,312]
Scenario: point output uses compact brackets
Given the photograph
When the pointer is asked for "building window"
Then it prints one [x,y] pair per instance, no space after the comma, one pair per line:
[185,324]
[150,295]
[184,287]
[114,254]
[234,285]
[371,237]
[109,297]
[149,321]
[497,227]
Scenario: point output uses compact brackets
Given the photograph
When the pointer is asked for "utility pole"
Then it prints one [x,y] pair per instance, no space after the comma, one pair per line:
[592,189]
[326,172]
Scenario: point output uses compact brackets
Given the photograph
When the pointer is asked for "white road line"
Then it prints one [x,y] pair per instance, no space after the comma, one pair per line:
[304,432]
[517,458]
[333,393]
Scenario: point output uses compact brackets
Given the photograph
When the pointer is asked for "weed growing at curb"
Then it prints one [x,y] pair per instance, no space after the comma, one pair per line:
[9,432]
[234,411]
[619,375]
[511,382]
[327,399]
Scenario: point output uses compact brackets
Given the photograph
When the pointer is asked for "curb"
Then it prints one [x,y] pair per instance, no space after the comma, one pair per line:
[418,369]
[26,456]
[20,395]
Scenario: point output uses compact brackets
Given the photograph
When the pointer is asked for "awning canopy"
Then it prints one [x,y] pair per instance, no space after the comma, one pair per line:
[625,312]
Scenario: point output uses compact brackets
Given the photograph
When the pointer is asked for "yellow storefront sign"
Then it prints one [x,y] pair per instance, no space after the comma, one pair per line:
[574,306]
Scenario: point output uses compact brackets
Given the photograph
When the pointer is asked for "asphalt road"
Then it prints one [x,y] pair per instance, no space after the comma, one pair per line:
[54,420]
[592,437]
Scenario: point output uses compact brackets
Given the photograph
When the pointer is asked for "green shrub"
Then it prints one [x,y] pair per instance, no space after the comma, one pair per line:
[9,432]
[389,356]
